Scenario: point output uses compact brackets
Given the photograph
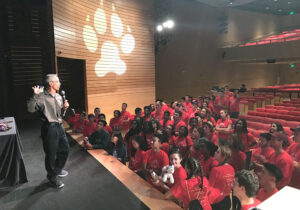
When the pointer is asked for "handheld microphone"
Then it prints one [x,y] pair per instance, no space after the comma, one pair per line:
[63,94]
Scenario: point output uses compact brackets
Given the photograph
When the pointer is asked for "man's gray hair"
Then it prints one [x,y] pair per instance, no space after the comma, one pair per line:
[48,78]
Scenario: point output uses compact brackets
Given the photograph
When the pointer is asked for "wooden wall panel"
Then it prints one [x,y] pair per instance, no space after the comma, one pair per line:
[78,36]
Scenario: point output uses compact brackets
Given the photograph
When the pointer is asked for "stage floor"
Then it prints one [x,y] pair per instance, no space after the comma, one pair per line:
[89,184]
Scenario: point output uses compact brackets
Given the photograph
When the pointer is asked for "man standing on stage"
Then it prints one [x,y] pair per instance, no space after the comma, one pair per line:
[51,106]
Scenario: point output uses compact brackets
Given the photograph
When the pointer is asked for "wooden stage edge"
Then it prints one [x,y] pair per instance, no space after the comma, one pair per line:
[151,197]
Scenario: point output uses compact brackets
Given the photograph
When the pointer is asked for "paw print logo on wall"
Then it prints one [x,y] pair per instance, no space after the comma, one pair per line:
[110,60]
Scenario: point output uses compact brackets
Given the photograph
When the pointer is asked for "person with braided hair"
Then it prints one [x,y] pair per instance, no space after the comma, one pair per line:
[195,187]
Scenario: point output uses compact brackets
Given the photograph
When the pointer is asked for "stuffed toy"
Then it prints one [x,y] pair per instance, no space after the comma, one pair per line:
[167,173]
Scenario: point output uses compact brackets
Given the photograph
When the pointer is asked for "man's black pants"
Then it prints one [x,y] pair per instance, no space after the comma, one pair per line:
[56,148]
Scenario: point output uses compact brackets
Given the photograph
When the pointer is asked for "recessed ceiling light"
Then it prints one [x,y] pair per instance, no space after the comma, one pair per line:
[289,2]
[275,0]
[280,10]
[231,3]
[267,8]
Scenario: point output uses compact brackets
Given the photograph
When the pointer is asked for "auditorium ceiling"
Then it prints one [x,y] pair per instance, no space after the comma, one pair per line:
[275,7]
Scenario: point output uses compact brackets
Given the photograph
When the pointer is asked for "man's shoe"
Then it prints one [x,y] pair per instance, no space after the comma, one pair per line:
[56,183]
[63,173]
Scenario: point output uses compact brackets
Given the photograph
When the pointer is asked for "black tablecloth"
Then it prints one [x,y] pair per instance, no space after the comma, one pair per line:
[12,167]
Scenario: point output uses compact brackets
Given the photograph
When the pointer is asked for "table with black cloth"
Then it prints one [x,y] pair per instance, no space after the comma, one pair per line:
[12,167]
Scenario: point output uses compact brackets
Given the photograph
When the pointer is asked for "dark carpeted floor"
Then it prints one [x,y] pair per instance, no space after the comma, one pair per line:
[89,185]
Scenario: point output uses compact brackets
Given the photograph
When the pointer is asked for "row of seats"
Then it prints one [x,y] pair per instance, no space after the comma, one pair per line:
[272,113]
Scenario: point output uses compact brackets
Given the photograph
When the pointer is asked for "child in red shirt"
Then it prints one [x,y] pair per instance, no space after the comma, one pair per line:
[196,133]
[90,127]
[241,130]
[155,159]
[294,151]
[205,115]
[223,127]
[158,113]
[245,187]
[166,120]
[238,156]
[221,177]
[116,122]
[183,142]
[130,135]
[125,116]
[281,159]
[80,124]
[268,178]
[195,187]
[177,121]
[221,103]
[136,162]
[208,132]
[234,105]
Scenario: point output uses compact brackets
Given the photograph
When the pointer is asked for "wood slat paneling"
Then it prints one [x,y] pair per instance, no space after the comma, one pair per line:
[137,85]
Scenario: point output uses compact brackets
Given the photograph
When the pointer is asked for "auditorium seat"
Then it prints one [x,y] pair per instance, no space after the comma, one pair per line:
[253,113]
[260,109]
[285,112]
[295,113]
[292,124]
[271,110]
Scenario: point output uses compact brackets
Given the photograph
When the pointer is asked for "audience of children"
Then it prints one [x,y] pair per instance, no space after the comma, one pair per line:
[209,157]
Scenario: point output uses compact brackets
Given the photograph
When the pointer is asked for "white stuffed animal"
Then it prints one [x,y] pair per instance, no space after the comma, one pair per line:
[167,173]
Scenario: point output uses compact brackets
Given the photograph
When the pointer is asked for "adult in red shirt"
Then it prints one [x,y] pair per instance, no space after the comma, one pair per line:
[221,178]
[268,178]
[177,121]
[183,142]
[207,151]
[238,156]
[234,105]
[179,173]
[136,162]
[262,153]
[135,129]
[223,127]
[248,140]
[221,103]
[227,92]
[166,120]
[158,114]
[155,159]
[205,116]
[281,159]
[209,133]
[116,122]
[90,127]
[195,187]
[107,128]
[294,152]
[125,116]
[80,124]
[245,187]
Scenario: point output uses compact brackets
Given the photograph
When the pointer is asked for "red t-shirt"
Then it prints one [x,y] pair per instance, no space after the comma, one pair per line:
[165,147]
[89,129]
[247,139]
[179,175]
[221,101]
[234,104]
[178,125]
[182,143]
[164,108]
[125,116]
[185,117]
[294,151]
[157,115]
[169,122]
[148,137]
[156,161]
[79,125]
[213,138]
[236,159]
[212,120]
[116,124]
[249,206]
[208,165]
[188,190]
[72,120]
[136,162]
[223,124]
[262,195]
[267,153]
[285,162]
[187,106]
[220,180]
[108,129]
